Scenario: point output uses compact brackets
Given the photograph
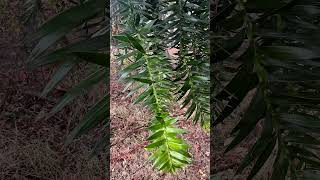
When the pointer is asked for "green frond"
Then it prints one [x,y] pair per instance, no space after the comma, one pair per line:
[150,74]
[92,49]
[32,8]
[169,152]
[271,42]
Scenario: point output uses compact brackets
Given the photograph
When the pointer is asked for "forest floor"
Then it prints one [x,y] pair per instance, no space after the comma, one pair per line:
[32,148]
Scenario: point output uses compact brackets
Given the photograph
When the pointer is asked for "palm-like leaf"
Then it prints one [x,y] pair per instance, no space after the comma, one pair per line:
[94,48]
[32,8]
[281,63]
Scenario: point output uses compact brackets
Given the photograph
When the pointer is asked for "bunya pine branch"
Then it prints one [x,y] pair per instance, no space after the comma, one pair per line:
[150,72]
[279,63]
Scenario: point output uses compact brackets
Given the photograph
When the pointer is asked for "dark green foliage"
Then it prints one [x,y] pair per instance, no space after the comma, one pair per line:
[93,48]
[32,8]
[276,45]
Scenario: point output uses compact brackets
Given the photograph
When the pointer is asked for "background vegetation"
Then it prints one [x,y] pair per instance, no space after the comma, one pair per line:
[270,47]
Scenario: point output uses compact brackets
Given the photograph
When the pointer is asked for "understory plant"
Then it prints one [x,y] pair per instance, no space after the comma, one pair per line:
[272,48]
[147,29]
